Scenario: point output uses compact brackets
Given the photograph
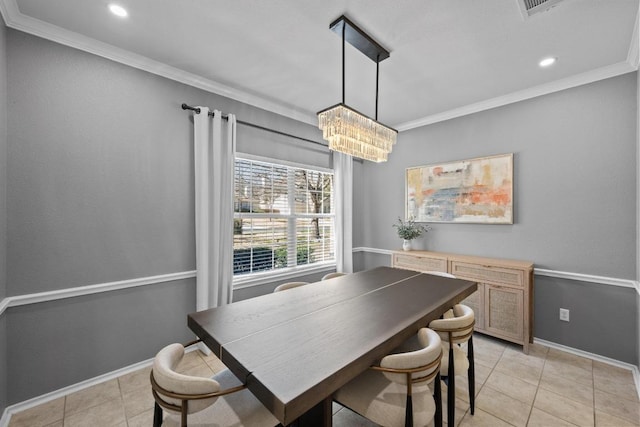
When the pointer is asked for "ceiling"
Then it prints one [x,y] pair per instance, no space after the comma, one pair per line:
[448,57]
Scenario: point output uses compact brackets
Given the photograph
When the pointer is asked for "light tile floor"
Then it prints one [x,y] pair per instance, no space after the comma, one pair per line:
[545,388]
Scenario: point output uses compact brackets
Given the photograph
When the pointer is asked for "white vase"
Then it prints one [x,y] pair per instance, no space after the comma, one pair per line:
[406,245]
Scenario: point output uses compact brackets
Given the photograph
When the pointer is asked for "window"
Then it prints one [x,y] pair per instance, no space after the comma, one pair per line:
[283,217]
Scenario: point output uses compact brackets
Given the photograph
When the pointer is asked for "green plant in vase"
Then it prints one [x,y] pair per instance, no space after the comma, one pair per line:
[409,230]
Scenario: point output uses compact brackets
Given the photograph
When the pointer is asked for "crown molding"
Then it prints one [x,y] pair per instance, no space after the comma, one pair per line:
[16,20]
[8,10]
[521,95]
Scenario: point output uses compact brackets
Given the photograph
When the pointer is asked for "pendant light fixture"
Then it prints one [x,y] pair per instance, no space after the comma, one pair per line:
[347,130]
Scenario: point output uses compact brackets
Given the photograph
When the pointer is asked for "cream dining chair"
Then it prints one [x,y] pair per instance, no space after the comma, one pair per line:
[289,285]
[332,275]
[396,392]
[221,400]
[455,328]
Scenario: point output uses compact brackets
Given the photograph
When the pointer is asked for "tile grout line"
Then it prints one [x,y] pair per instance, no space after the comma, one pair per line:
[503,356]
[537,389]
[551,391]
[490,373]
[124,410]
[593,383]
[64,410]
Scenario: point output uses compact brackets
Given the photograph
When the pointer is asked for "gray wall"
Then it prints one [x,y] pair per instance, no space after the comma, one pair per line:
[601,311]
[575,200]
[3,363]
[3,158]
[3,211]
[638,215]
[100,189]
[63,342]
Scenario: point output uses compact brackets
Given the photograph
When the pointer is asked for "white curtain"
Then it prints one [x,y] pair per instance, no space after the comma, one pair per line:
[343,186]
[214,151]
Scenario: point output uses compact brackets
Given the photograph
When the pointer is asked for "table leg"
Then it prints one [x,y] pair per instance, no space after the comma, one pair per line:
[318,416]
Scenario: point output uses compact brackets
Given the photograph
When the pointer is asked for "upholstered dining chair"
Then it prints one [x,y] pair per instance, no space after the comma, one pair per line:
[440,273]
[332,275]
[222,399]
[396,392]
[289,285]
[456,328]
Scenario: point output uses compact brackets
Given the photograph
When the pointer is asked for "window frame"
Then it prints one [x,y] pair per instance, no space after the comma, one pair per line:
[269,276]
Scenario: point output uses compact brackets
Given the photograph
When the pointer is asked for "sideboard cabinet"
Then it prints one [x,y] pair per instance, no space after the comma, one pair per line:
[503,303]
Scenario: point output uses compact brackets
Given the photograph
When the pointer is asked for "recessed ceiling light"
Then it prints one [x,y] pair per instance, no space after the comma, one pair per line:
[547,62]
[118,10]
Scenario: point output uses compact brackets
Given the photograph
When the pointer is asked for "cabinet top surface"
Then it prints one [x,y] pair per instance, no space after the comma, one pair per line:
[470,258]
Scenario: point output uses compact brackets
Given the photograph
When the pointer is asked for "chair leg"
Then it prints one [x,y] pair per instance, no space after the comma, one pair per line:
[451,389]
[437,396]
[408,416]
[157,415]
[183,414]
[471,375]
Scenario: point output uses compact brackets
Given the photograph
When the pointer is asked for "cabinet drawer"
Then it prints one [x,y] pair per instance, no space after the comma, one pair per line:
[488,274]
[418,263]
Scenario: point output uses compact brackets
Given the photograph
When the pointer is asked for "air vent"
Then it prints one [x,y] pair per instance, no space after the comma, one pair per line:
[531,7]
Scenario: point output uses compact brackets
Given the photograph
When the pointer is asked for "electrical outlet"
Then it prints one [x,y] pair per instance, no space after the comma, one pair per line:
[564,314]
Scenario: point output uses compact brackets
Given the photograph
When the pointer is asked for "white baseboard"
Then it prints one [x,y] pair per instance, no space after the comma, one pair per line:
[633,368]
[19,407]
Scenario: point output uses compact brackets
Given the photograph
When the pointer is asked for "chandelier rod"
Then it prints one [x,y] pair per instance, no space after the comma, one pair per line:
[377,75]
[351,33]
[344,27]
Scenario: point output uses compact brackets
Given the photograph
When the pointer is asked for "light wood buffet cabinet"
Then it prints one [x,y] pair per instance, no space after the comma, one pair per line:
[503,303]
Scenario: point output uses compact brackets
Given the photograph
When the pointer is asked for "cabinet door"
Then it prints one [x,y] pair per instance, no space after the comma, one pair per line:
[475,301]
[503,312]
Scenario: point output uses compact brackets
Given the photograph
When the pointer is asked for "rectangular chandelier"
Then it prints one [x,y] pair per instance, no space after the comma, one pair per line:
[350,132]
[347,130]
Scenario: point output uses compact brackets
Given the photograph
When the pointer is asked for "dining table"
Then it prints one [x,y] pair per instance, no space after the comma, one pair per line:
[293,349]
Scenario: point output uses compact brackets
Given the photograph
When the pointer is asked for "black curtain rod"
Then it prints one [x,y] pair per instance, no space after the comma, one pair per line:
[241,122]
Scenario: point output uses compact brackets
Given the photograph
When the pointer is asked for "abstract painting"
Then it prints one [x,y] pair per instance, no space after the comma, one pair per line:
[474,191]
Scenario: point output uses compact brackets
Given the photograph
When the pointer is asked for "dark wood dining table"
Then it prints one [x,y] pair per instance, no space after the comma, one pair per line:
[295,348]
